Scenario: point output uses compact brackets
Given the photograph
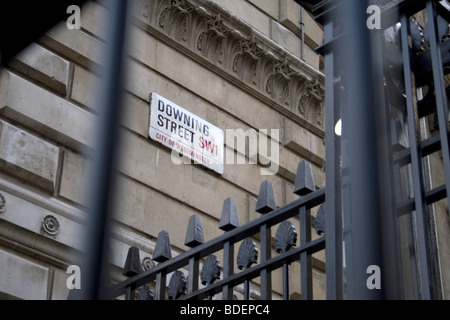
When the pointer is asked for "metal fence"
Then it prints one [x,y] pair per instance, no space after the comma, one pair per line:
[217,274]
[379,196]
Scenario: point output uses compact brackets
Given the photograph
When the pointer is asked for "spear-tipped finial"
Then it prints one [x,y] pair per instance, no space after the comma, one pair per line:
[162,248]
[266,198]
[229,219]
[132,265]
[304,181]
[194,234]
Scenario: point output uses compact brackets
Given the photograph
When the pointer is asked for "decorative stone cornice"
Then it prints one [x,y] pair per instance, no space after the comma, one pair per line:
[241,54]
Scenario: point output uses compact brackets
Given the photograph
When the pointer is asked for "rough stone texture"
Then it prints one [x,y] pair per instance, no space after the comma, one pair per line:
[45,112]
[44,67]
[28,157]
[93,18]
[290,15]
[75,45]
[60,290]
[288,40]
[84,87]
[74,177]
[153,167]
[136,114]
[22,278]
[291,42]
[142,47]
[269,7]
[149,211]
[313,31]
[303,142]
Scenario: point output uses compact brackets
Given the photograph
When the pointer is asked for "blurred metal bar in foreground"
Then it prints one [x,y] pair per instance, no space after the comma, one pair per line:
[94,274]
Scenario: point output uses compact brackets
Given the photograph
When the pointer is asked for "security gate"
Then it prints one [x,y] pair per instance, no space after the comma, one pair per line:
[385,69]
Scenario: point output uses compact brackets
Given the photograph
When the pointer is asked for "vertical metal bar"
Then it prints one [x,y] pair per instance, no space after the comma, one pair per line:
[266,277]
[360,130]
[398,198]
[102,179]
[305,257]
[333,213]
[389,220]
[193,275]
[285,281]
[129,293]
[228,264]
[441,97]
[246,289]
[412,257]
[160,293]
[416,162]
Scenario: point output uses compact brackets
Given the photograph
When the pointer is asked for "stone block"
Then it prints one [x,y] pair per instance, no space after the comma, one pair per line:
[142,46]
[85,87]
[136,114]
[310,56]
[150,212]
[285,38]
[288,167]
[153,166]
[22,278]
[44,67]
[206,84]
[28,157]
[44,112]
[270,7]
[290,15]
[75,45]
[74,177]
[59,288]
[289,194]
[93,18]
[313,31]
[303,142]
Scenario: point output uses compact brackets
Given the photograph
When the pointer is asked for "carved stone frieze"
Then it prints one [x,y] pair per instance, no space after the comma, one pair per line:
[310,104]
[230,44]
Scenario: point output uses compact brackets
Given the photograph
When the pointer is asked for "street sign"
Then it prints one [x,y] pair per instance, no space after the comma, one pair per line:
[186,134]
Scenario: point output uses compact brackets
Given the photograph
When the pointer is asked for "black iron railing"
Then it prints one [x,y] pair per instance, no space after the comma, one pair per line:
[379,195]
[217,273]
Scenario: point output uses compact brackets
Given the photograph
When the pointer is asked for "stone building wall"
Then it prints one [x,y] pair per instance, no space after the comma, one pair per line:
[236,64]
